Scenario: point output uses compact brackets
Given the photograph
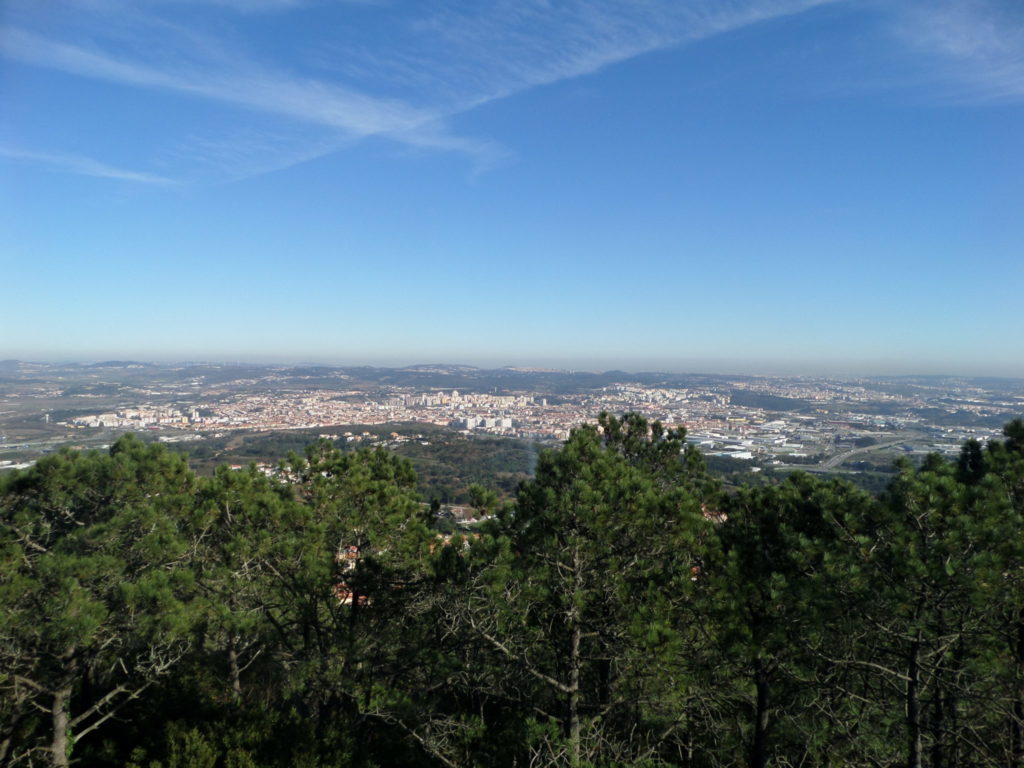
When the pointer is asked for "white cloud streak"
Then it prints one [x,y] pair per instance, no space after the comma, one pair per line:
[306,100]
[443,62]
[980,41]
[463,55]
[81,166]
[531,43]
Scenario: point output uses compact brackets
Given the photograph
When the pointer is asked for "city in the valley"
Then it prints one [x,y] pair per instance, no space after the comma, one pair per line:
[764,422]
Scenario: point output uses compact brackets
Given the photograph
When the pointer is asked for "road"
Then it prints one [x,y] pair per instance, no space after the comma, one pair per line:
[838,459]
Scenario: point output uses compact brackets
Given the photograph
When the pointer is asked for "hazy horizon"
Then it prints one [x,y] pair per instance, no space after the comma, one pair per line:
[710,368]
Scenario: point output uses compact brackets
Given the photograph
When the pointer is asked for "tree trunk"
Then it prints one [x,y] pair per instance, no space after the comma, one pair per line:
[913,703]
[937,721]
[60,721]
[759,749]
[574,698]
[59,718]
[235,671]
[954,741]
[575,662]
[353,613]
[604,675]
[1017,716]
[937,725]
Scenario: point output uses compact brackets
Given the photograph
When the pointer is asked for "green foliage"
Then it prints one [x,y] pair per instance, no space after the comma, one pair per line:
[622,610]
[773,597]
[588,590]
[96,605]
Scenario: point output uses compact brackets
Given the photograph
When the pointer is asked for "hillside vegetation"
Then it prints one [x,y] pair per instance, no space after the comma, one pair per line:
[620,610]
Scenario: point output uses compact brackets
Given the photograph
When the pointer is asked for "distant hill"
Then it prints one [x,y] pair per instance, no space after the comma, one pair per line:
[438,368]
[121,364]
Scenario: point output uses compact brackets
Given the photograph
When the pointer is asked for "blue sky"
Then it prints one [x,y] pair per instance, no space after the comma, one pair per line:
[760,186]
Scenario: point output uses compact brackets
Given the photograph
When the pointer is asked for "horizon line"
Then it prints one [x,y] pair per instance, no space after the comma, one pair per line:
[508,367]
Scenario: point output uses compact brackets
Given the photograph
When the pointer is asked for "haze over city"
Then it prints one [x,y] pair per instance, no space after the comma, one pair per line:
[758,186]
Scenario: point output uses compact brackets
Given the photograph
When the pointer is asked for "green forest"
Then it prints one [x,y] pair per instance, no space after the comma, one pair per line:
[620,608]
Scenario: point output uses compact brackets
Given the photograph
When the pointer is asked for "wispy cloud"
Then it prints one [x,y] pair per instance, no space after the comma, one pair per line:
[462,55]
[81,166]
[226,157]
[256,6]
[307,100]
[438,61]
[980,43]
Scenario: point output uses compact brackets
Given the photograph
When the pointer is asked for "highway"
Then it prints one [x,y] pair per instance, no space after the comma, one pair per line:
[835,461]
